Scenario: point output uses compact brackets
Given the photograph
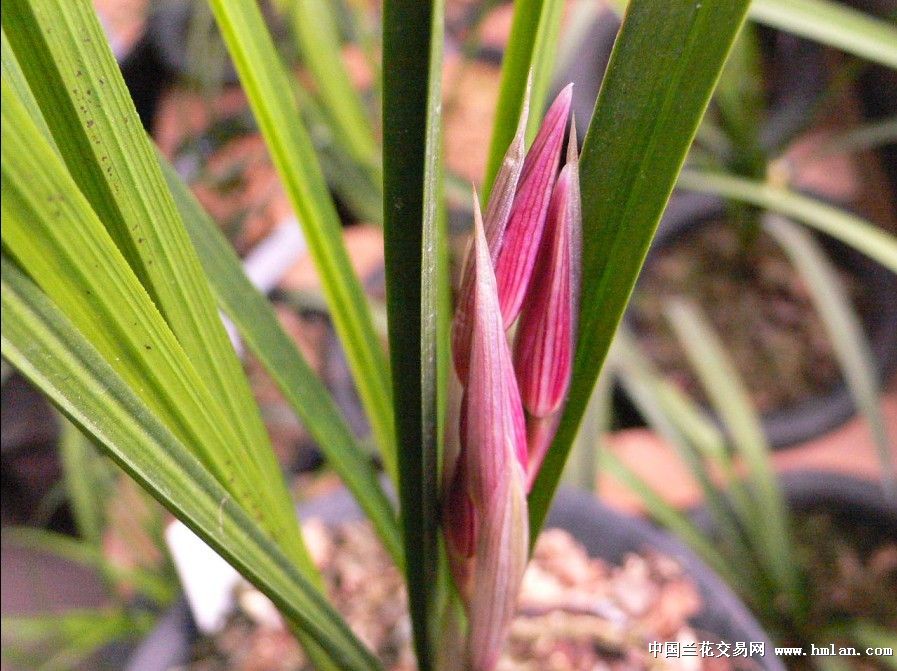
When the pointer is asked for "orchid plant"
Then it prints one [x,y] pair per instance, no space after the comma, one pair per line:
[113,278]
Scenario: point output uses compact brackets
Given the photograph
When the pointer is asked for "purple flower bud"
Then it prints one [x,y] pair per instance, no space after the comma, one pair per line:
[523,234]
[543,351]
[494,429]
[497,213]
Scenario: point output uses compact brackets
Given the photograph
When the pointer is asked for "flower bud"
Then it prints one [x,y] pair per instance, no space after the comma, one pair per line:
[497,213]
[523,234]
[543,351]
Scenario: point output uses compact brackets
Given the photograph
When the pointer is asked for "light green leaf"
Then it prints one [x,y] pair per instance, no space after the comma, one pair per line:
[845,331]
[545,53]
[416,281]
[88,481]
[665,64]
[515,68]
[48,349]
[728,396]
[671,518]
[65,640]
[52,232]
[848,228]
[270,93]
[258,324]
[314,27]
[834,24]
[652,395]
[15,78]
[84,100]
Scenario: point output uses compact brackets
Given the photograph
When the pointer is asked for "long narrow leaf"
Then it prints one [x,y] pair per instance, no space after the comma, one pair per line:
[15,78]
[314,26]
[845,332]
[83,98]
[258,324]
[88,482]
[412,70]
[53,233]
[270,94]
[646,391]
[671,518]
[545,52]
[515,69]
[665,63]
[730,400]
[47,348]
[67,640]
[848,228]
[833,24]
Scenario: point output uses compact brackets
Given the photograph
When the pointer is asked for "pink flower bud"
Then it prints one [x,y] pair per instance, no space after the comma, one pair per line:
[497,213]
[500,562]
[485,516]
[543,351]
[494,429]
[523,234]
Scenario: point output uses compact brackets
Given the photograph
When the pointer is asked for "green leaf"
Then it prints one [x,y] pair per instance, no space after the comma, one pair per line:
[833,24]
[845,331]
[416,277]
[52,232]
[739,98]
[545,52]
[86,105]
[860,138]
[65,640]
[88,482]
[848,228]
[258,324]
[13,75]
[668,516]
[84,100]
[270,93]
[665,64]
[652,396]
[730,400]
[316,34]
[515,68]
[48,349]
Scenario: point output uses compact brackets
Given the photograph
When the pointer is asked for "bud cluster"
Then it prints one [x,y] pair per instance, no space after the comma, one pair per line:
[512,346]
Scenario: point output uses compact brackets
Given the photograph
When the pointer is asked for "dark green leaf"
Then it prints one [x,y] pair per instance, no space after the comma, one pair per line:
[665,64]
[415,285]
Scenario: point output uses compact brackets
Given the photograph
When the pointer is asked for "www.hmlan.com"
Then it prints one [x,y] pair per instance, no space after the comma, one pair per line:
[675,649]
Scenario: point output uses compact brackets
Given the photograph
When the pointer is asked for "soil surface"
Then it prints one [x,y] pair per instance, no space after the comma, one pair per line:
[756,302]
[575,612]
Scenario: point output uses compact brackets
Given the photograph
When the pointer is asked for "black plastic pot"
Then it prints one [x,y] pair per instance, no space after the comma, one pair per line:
[605,533]
[852,499]
[817,415]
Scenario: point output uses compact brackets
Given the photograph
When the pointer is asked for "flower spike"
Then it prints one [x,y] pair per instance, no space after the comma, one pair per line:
[523,261]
